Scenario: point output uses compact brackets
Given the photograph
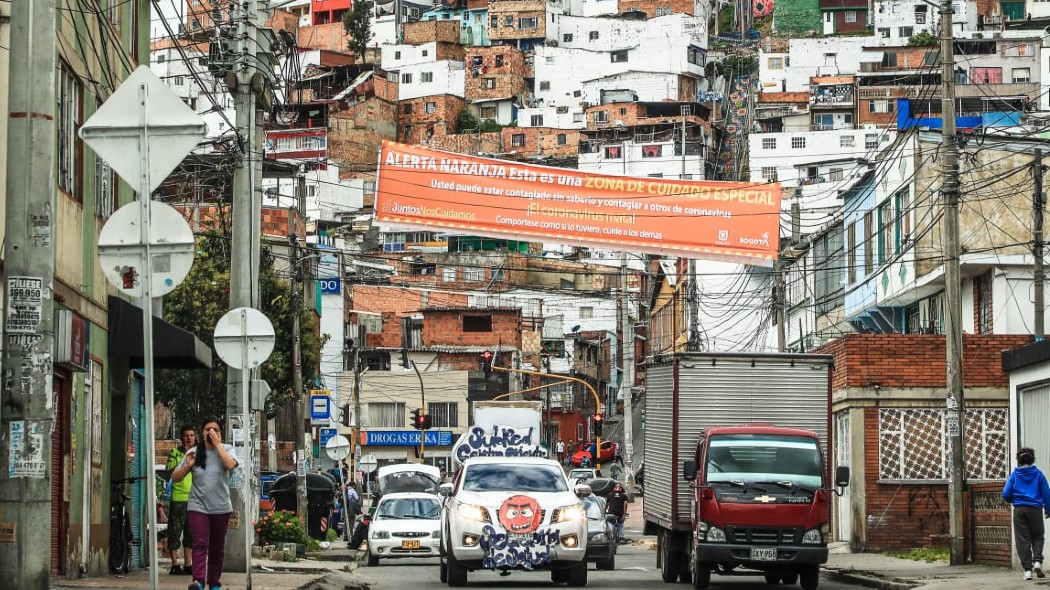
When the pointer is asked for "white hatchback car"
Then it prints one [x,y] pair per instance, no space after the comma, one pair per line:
[513,513]
[405,525]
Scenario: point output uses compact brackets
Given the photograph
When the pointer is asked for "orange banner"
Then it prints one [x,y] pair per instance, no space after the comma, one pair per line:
[423,188]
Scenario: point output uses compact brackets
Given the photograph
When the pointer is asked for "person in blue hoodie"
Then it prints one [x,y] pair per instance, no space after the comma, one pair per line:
[1028,491]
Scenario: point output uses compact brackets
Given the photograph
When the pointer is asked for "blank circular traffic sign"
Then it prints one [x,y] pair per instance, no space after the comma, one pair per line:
[244,338]
[338,447]
[368,463]
[122,253]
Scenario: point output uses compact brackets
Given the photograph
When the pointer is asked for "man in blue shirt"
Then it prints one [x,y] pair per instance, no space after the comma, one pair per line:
[1028,491]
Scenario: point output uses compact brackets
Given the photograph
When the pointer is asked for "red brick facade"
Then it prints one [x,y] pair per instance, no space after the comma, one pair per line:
[649,7]
[917,360]
[541,141]
[429,31]
[416,125]
[331,36]
[446,327]
[494,72]
[212,217]
[507,17]
[355,134]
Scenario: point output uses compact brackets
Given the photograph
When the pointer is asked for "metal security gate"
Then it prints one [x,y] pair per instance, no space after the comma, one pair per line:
[843,516]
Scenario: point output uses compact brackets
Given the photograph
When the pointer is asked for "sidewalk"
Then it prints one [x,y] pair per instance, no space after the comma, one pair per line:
[889,573]
[322,570]
[875,570]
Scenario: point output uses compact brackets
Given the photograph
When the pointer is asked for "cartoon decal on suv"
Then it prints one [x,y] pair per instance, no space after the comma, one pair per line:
[520,514]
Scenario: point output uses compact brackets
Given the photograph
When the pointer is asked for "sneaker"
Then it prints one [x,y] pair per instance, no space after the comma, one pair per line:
[196,586]
[1027,575]
[187,570]
[1037,567]
[176,570]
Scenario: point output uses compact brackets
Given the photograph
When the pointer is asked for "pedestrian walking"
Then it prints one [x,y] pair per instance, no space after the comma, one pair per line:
[209,507]
[178,531]
[616,505]
[1028,491]
[559,448]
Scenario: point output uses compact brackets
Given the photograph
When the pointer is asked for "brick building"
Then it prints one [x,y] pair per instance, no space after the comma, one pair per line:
[655,8]
[522,23]
[889,419]
[494,82]
[844,16]
[423,118]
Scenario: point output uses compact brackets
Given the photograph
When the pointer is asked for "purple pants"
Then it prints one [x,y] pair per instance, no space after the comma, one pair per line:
[209,545]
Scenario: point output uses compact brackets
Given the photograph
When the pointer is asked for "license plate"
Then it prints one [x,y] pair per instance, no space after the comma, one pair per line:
[763,554]
[415,545]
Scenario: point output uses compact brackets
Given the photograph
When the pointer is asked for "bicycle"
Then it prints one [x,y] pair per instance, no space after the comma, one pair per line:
[120,537]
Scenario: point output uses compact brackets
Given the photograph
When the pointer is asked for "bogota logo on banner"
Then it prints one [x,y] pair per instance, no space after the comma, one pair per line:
[423,188]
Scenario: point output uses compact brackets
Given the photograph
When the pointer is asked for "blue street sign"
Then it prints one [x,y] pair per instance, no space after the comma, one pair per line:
[328,434]
[330,285]
[406,438]
[320,407]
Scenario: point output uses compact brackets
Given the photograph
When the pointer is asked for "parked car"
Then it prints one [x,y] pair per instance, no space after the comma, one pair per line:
[601,534]
[582,475]
[405,524]
[610,451]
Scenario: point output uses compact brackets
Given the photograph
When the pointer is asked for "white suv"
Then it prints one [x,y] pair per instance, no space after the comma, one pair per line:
[504,513]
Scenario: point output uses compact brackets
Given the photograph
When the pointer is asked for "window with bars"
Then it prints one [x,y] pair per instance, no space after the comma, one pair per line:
[913,444]
[426,77]
[386,414]
[798,143]
[473,274]
[443,414]
[828,271]
[69,112]
[769,143]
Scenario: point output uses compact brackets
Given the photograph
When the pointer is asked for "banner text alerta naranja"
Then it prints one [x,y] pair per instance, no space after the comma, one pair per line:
[423,188]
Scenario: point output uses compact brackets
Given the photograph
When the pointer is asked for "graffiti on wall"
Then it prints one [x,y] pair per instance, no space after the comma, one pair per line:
[734,134]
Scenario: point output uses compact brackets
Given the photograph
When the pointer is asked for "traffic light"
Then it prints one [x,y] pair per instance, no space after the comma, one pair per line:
[485,359]
[424,421]
[345,418]
[417,416]
[598,421]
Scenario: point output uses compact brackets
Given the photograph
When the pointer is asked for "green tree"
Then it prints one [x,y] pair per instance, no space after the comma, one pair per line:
[923,39]
[196,306]
[467,120]
[357,22]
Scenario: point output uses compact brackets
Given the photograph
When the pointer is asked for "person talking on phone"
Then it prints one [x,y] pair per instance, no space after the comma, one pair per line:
[209,507]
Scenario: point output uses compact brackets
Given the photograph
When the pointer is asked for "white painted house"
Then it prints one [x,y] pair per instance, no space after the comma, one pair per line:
[895,21]
[806,58]
[786,157]
[429,79]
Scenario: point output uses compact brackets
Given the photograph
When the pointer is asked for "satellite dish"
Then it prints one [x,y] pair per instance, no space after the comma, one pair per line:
[575,328]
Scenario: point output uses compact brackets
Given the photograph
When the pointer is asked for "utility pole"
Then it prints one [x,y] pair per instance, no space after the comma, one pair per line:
[778,304]
[299,407]
[358,373]
[685,113]
[627,387]
[245,246]
[1039,275]
[26,403]
[953,299]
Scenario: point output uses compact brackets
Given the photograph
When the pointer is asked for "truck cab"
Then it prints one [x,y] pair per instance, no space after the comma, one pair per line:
[762,504]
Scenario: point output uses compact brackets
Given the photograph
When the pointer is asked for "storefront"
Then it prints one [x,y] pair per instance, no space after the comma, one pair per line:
[390,447]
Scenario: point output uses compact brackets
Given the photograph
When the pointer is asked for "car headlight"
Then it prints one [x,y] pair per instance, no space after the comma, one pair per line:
[476,513]
[567,513]
[711,534]
[436,534]
[380,534]
[599,538]
[814,536]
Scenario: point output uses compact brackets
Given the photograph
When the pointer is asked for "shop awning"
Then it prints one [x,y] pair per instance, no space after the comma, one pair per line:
[173,347]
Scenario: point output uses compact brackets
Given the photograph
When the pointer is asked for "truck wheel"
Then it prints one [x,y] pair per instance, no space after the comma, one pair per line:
[670,561]
[789,579]
[702,576]
[609,564]
[577,576]
[559,576]
[455,572]
[685,573]
[772,579]
[810,576]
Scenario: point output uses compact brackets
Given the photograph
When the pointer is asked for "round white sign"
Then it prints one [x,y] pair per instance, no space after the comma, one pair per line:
[337,448]
[244,338]
[367,463]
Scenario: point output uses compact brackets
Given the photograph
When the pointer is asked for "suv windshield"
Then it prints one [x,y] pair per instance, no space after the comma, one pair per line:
[764,458]
[490,477]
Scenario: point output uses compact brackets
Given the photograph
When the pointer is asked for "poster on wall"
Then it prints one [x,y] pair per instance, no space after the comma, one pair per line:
[422,188]
[97,395]
[26,458]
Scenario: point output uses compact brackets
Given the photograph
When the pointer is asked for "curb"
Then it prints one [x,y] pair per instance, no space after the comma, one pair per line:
[869,579]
